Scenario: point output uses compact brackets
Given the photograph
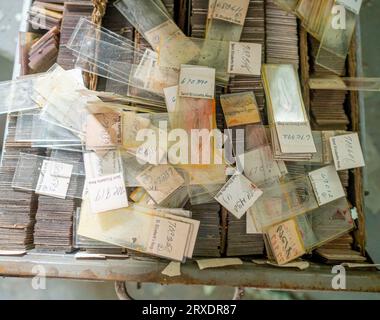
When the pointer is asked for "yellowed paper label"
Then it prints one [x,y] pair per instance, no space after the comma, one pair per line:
[238,195]
[244,58]
[160,181]
[326,184]
[285,241]
[347,152]
[233,11]
[197,82]
[295,138]
[168,239]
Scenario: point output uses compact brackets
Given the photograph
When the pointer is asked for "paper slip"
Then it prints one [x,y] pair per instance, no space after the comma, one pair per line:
[168,238]
[173,269]
[211,6]
[107,193]
[238,195]
[54,179]
[231,10]
[285,241]
[172,214]
[295,138]
[160,181]
[347,152]
[103,130]
[218,262]
[353,5]
[326,185]
[244,58]
[197,82]
[171,97]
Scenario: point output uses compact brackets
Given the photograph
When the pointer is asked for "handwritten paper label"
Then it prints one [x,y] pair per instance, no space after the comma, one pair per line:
[211,6]
[171,97]
[231,10]
[353,5]
[103,130]
[197,82]
[54,179]
[168,238]
[240,109]
[163,31]
[244,58]
[347,152]
[238,195]
[160,181]
[107,193]
[326,185]
[285,241]
[295,138]
[259,165]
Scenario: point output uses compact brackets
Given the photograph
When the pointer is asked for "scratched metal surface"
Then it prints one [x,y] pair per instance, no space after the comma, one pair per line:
[317,277]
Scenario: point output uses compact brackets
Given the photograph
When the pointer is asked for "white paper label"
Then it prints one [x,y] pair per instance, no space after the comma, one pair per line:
[238,195]
[347,152]
[197,82]
[168,238]
[171,97]
[160,181]
[244,58]
[326,185]
[54,179]
[295,138]
[107,193]
[231,10]
[353,5]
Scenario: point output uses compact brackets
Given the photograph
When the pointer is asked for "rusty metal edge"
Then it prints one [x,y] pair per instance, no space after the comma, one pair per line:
[317,277]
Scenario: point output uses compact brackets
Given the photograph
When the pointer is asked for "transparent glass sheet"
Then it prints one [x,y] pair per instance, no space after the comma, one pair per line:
[335,43]
[218,29]
[344,84]
[28,174]
[18,95]
[175,51]
[149,19]
[283,201]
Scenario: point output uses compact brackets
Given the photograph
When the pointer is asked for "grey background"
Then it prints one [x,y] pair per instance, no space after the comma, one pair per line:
[19,288]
